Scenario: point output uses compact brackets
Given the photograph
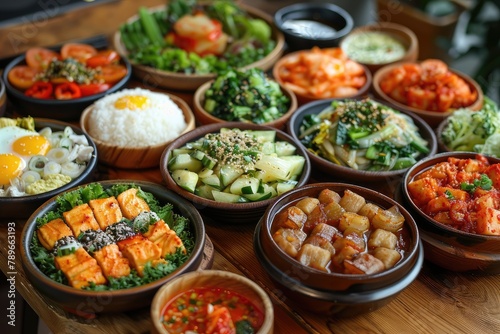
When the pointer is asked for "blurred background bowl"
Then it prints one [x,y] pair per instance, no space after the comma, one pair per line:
[204,117]
[444,245]
[77,300]
[221,212]
[24,206]
[305,25]
[358,50]
[335,293]
[3,98]
[333,171]
[302,93]
[66,110]
[135,157]
[190,82]
[433,118]
[212,279]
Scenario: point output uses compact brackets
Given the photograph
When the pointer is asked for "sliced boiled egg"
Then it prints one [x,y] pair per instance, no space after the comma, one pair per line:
[11,166]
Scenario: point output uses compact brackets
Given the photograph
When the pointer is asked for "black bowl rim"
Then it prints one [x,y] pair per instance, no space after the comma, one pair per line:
[29,230]
[46,122]
[60,103]
[210,128]
[298,7]
[441,157]
[356,278]
[341,169]
[338,296]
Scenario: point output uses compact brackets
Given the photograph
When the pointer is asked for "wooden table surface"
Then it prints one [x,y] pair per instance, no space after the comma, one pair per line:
[438,301]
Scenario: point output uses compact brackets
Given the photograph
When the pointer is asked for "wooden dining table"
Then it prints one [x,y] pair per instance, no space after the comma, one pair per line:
[438,301]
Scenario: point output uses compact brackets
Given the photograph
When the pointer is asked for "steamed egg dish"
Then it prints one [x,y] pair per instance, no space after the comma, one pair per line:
[33,162]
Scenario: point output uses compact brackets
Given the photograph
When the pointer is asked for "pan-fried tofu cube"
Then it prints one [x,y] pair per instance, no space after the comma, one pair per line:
[80,218]
[157,230]
[122,244]
[289,240]
[80,269]
[106,211]
[141,253]
[314,257]
[54,230]
[382,238]
[363,264]
[131,204]
[112,262]
[169,243]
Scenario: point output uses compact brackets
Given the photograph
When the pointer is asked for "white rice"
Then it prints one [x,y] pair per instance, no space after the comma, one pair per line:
[159,123]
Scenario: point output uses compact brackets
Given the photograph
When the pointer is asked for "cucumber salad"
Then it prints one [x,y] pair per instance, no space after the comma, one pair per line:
[363,135]
[236,166]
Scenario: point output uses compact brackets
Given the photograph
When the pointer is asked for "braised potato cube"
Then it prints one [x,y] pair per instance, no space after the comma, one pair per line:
[324,230]
[307,204]
[488,221]
[423,190]
[80,218]
[353,220]
[292,217]
[390,219]
[355,238]
[382,238]
[321,242]
[369,210]
[457,194]
[106,211]
[493,173]
[54,230]
[289,240]
[342,254]
[327,196]
[438,204]
[351,201]
[333,213]
[314,256]
[388,256]
[363,264]
[131,204]
[317,216]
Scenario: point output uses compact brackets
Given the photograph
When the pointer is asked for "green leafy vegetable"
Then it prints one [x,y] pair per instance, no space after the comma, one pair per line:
[484,182]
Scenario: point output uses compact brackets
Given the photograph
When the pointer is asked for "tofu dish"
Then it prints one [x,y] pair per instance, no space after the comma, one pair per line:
[110,239]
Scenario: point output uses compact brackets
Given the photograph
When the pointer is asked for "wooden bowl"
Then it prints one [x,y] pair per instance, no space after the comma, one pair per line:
[433,118]
[204,117]
[221,212]
[88,303]
[190,82]
[303,98]
[329,292]
[3,98]
[135,157]
[401,33]
[444,245]
[212,279]
[339,173]
[22,207]
[65,110]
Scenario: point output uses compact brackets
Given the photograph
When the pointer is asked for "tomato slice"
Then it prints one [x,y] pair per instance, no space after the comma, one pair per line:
[103,58]
[93,88]
[111,73]
[22,76]
[67,91]
[40,90]
[78,51]
[40,58]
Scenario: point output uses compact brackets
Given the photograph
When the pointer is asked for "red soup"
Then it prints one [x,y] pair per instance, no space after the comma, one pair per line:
[212,310]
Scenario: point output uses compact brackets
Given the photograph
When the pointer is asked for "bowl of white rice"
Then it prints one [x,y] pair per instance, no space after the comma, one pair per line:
[132,127]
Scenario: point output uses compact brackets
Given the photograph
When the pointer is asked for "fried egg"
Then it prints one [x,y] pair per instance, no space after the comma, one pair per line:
[17,146]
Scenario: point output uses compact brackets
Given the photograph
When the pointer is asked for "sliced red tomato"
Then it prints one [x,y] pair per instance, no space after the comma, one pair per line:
[93,88]
[78,51]
[67,91]
[103,58]
[40,58]
[40,90]
[111,73]
[22,77]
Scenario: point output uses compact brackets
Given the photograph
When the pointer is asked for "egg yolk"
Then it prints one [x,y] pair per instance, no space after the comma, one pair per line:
[132,102]
[31,145]
[11,166]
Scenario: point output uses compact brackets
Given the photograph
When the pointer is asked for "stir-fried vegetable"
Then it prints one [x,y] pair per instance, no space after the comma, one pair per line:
[195,38]
[364,135]
[474,131]
[246,96]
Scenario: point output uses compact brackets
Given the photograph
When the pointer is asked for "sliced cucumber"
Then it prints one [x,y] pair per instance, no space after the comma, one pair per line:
[185,179]
[296,163]
[198,155]
[258,196]
[263,135]
[245,185]
[282,187]
[228,174]
[177,151]
[275,168]
[208,162]
[284,148]
[204,191]
[220,196]
[186,162]
[211,180]
[204,172]
[268,148]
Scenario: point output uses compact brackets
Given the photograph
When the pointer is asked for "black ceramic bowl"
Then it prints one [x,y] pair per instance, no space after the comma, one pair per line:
[86,302]
[306,25]
[3,98]
[340,173]
[24,206]
[66,110]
